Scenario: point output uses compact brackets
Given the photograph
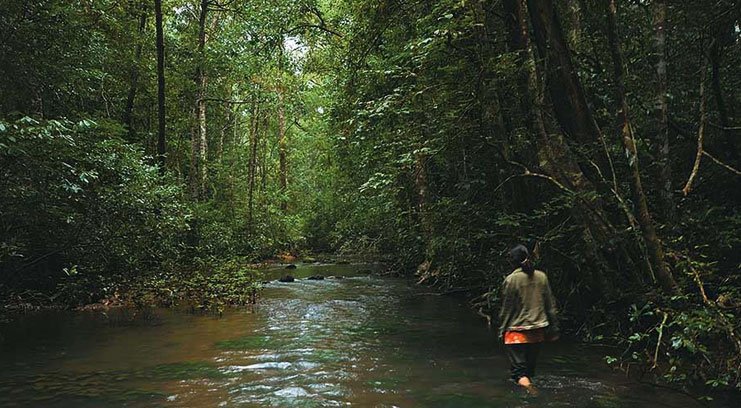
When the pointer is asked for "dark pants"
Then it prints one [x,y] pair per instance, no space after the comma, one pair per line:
[522,357]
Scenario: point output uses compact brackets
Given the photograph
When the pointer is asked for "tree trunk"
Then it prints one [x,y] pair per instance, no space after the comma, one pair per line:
[553,154]
[569,101]
[423,199]
[199,138]
[661,109]
[263,157]
[282,151]
[254,137]
[575,11]
[134,78]
[161,141]
[700,132]
[653,245]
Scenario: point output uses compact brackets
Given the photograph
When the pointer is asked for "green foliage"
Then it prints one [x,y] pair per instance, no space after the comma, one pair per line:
[85,205]
[691,346]
[414,130]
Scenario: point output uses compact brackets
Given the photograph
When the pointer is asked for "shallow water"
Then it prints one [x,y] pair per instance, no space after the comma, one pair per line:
[361,341]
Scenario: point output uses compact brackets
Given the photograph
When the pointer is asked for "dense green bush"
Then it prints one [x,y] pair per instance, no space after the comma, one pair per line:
[81,205]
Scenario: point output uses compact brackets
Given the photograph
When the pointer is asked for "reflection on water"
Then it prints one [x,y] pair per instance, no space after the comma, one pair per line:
[359,341]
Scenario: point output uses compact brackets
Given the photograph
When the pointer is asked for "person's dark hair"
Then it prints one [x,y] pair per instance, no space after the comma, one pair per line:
[521,257]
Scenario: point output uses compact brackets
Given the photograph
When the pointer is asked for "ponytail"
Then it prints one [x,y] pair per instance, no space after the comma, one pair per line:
[527,267]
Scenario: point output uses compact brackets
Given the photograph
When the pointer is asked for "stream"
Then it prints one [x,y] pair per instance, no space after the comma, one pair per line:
[362,340]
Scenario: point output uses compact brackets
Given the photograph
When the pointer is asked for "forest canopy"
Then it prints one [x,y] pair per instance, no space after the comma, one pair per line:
[151,145]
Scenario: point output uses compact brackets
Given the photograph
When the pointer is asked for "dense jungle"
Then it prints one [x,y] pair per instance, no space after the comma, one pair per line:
[168,159]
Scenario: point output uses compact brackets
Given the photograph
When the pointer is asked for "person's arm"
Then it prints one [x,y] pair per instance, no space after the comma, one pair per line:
[551,311]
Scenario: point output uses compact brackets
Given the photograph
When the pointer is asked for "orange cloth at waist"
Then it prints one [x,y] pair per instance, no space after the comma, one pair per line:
[526,336]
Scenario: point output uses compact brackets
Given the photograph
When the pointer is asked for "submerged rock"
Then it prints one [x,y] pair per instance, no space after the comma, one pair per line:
[290,266]
[286,278]
[315,277]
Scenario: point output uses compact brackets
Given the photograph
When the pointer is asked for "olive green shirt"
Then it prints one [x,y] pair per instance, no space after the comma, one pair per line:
[527,303]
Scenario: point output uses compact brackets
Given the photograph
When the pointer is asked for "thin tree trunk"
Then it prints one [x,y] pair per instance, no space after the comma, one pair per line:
[422,187]
[161,140]
[653,245]
[421,210]
[700,133]
[661,109]
[575,18]
[282,151]
[222,136]
[134,78]
[263,158]
[254,137]
[199,138]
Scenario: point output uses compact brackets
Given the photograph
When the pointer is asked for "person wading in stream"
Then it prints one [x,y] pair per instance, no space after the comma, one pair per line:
[528,316]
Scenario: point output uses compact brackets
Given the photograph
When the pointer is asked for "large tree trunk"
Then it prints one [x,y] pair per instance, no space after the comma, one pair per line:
[553,154]
[282,151]
[567,95]
[161,145]
[134,78]
[653,245]
[661,109]
[569,101]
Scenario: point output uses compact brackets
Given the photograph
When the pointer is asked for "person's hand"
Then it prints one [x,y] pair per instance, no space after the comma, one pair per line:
[554,337]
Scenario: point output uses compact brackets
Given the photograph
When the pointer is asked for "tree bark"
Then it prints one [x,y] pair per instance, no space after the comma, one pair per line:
[700,133]
[161,140]
[553,154]
[254,137]
[422,187]
[566,92]
[199,139]
[653,245]
[661,109]
[575,11]
[134,78]
[263,157]
[282,151]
